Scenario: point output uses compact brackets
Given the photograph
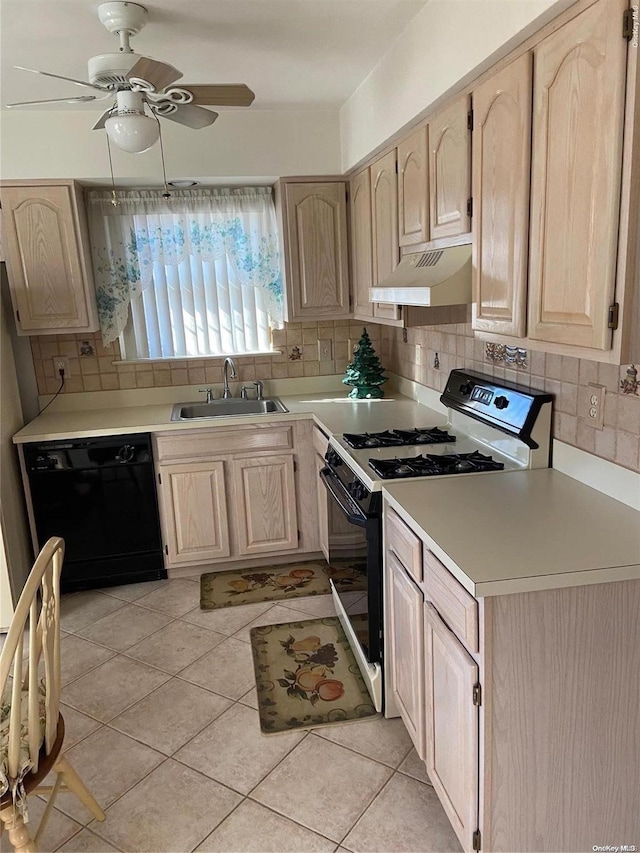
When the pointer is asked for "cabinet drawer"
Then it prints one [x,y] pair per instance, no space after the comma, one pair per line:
[457,607]
[222,441]
[320,441]
[404,543]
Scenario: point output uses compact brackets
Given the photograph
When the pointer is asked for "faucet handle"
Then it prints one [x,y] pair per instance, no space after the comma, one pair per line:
[259,388]
[208,392]
[243,393]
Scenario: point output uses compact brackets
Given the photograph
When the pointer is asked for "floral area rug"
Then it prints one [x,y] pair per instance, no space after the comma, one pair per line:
[307,676]
[274,583]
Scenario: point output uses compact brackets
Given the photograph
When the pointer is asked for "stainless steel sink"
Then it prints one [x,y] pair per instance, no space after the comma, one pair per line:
[225,408]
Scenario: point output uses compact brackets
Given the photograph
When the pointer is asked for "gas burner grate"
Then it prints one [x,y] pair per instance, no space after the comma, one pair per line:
[398,438]
[434,435]
[434,466]
[372,439]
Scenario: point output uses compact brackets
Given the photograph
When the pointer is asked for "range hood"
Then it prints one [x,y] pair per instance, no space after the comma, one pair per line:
[435,278]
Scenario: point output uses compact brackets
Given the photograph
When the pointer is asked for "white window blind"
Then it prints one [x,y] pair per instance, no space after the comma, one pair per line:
[194,275]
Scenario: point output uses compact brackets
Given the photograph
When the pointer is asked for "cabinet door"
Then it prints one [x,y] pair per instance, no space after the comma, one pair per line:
[318,265]
[265,503]
[194,512]
[451,725]
[450,169]
[405,648]
[323,516]
[578,105]
[361,245]
[501,176]
[48,273]
[413,189]
[384,219]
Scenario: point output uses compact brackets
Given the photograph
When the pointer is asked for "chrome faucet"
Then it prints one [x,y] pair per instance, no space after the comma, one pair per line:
[259,389]
[228,363]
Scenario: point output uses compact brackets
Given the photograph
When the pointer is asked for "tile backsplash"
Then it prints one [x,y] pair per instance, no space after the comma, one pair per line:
[94,367]
[568,378]
[565,377]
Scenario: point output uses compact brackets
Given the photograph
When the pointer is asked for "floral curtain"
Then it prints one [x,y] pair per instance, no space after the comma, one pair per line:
[150,243]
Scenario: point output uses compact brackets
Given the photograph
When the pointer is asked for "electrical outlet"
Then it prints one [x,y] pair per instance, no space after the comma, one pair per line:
[325,350]
[593,407]
[61,362]
[418,355]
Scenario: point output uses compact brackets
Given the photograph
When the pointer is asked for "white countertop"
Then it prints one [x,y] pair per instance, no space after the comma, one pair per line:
[521,531]
[333,412]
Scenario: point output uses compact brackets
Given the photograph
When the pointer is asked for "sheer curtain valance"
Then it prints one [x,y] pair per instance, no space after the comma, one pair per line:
[194,274]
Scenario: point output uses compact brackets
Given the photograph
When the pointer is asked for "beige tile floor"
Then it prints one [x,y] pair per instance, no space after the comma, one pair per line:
[160,709]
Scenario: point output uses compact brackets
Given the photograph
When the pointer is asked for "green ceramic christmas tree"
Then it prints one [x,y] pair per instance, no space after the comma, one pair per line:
[365,372]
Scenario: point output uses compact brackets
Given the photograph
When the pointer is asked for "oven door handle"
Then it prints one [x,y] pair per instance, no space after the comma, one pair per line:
[342,497]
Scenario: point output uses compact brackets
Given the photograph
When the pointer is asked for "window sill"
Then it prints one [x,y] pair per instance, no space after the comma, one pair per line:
[172,359]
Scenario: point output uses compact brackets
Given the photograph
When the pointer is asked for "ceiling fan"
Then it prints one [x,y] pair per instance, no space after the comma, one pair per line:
[138,81]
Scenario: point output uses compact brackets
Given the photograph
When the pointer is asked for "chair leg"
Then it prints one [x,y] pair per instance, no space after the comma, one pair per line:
[75,784]
[19,835]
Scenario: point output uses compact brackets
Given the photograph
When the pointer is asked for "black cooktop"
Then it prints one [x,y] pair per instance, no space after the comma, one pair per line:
[432,466]
[398,438]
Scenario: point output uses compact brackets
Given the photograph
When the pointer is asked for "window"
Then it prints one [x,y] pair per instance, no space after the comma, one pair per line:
[197,274]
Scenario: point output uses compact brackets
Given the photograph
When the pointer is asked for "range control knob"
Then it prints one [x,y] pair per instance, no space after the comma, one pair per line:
[332,458]
[358,490]
[501,402]
[466,389]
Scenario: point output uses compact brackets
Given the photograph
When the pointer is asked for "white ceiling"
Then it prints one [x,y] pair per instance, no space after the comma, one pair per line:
[292,53]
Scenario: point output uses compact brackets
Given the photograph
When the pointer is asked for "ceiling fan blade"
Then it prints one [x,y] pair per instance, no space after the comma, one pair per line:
[72,100]
[60,77]
[221,94]
[159,74]
[99,125]
[191,116]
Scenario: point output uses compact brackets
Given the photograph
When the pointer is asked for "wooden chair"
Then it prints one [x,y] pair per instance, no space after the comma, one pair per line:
[32,729]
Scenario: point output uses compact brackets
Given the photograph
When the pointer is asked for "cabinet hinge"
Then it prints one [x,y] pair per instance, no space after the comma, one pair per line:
[476,840]
[18,316]
[470,208]
[396,167]
[614,312]
[299,536]
[166,550]
[346,195]
[477,695]
[470,120]
[295,465]
[628,24]
[159,479]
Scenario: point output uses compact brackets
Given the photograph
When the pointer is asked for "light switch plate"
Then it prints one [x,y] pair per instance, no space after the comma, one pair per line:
[325,350]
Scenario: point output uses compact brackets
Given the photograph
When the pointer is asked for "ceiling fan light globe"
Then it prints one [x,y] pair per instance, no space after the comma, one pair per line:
[132,133]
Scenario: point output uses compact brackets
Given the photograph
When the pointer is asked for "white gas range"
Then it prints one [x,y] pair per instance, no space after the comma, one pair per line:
[492,427]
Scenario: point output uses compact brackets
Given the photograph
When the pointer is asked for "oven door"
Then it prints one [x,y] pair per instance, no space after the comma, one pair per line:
[354,543]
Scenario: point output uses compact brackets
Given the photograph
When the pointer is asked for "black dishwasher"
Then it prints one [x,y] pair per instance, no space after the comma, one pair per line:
[99,494]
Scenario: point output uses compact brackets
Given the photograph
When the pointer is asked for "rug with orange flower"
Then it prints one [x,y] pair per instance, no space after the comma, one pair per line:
[280,582]
[307,676]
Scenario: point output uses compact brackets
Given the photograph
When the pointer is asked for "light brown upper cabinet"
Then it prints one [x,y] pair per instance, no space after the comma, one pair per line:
[47,255]
[579,92]
[450,169]
[501,176]
[361,244]
[413,189]
[314,220]
[384,219]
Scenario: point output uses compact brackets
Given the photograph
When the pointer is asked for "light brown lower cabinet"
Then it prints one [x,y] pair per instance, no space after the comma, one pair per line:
[451,675]
[230,495]
[195,512]
[531,713]
[405,651]
[265,504]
